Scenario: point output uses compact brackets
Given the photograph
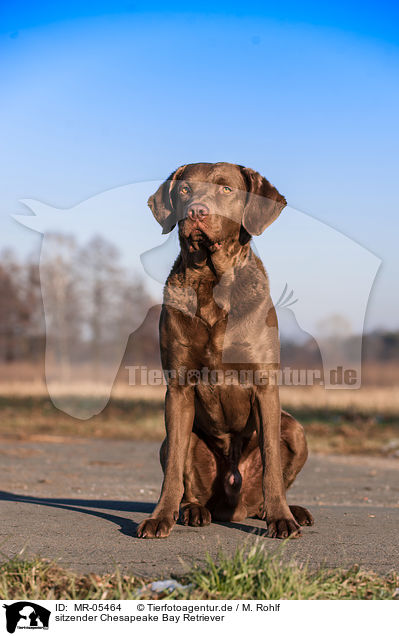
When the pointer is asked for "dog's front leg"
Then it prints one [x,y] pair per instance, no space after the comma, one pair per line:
[280,522]
[179,418]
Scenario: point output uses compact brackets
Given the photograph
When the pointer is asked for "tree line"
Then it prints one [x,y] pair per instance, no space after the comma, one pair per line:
[89,298]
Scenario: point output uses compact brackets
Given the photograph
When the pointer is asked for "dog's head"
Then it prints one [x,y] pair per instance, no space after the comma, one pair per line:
[214,202]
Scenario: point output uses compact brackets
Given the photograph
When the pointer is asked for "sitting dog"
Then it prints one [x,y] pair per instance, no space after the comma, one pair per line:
[230,451]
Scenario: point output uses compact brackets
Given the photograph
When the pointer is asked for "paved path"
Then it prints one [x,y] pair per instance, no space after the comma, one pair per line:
[80,502]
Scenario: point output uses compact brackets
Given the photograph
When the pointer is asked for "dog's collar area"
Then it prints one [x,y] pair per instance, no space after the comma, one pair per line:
[196,245]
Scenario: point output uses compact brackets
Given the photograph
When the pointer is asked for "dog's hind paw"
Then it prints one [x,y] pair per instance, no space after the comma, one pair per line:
[302,515]
[195,515]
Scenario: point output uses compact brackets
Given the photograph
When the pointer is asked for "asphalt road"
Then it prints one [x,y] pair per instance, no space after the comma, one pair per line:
[80,502]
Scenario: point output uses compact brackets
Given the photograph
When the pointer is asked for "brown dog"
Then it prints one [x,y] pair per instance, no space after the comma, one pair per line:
[230,452]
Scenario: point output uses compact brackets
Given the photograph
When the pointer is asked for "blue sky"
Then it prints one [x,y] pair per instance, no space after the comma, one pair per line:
[94,97]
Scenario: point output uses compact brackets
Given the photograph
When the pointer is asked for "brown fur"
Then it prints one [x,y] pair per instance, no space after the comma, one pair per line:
[230,452]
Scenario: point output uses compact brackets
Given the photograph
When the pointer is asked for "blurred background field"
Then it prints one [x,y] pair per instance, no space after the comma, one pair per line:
[364,420]
[336,421]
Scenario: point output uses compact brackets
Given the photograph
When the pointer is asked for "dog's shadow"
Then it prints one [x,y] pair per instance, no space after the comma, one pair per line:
[86,506]
[96,506]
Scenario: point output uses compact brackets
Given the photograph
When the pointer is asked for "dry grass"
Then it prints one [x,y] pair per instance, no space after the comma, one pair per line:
[383,400]
[373,400]
[364,420]
[42,579]
[36,418]
[38,388]
[247,574]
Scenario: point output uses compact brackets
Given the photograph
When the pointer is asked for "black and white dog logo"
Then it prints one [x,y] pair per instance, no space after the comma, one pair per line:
[26,615]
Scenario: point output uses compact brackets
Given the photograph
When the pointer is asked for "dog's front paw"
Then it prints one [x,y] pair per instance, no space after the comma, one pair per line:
[157,528]
[283,528]
[195,515]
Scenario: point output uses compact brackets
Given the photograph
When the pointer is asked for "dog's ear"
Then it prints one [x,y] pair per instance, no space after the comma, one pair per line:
[162,204]
[264,202]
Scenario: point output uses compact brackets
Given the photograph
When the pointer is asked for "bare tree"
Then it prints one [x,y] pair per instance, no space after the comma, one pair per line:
[14,312]
[62,304]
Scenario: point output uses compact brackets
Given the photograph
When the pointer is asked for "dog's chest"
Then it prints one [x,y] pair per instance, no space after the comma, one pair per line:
[222,408]
[207,308]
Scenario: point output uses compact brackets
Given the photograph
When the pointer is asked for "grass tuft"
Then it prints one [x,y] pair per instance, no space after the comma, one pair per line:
[248,574]
[41,579]
[255,574]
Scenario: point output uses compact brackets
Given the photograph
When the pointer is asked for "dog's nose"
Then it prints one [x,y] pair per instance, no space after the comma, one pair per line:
[197,211]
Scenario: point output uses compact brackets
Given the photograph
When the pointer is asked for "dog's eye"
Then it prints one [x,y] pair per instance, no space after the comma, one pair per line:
[184,190]
[226,190]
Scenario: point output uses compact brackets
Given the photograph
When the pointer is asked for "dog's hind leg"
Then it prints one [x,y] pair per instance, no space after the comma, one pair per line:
[293,448]
[294,453]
